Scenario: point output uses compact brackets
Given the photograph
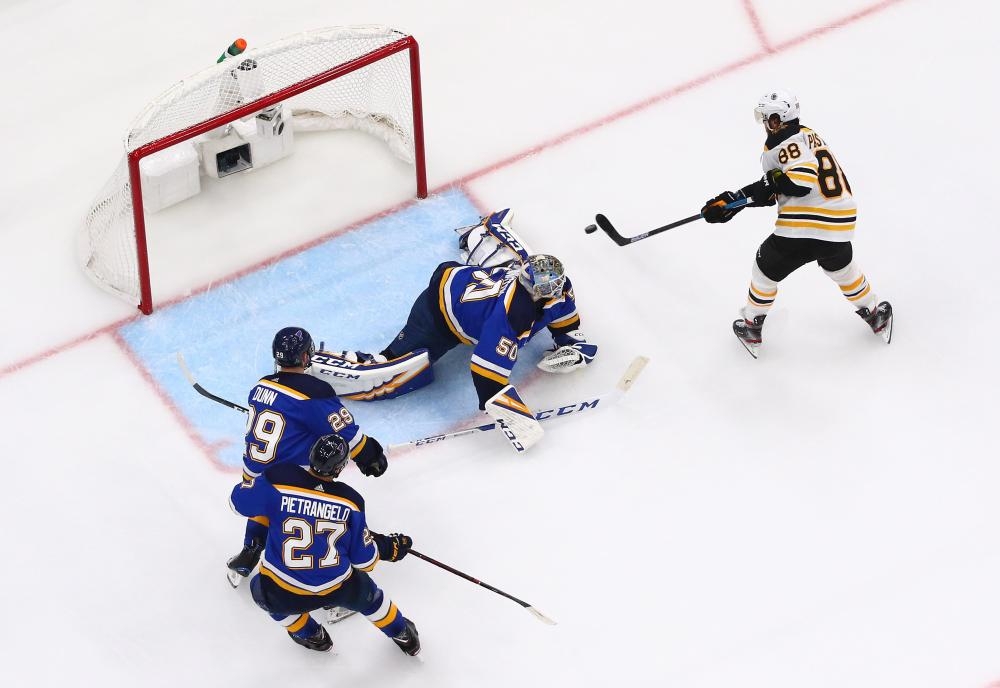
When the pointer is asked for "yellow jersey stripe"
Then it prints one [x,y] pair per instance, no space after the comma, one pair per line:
[271,384]
[565,320]
[263,520]
[801,177]
[442,305]
[816,211]
[317,494]
[485,372]
[815,225]
[361,445]
[264,571]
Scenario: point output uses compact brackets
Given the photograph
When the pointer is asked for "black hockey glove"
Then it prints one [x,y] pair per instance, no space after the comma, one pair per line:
[392,547]
[372,464]
[713,210]
[763,190]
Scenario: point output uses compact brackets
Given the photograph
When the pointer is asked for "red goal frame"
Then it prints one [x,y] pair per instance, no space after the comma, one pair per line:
[134,157]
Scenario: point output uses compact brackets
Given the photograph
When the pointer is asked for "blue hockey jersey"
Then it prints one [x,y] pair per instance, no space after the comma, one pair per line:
[317,534]
[489,309]
[288,413]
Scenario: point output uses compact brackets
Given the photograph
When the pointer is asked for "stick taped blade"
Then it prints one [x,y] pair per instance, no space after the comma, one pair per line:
[632,373]
[541,617]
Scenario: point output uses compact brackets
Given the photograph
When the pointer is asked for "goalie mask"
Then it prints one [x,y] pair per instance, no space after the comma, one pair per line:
[288,346]
[328,455]
[781,103]
[542,275]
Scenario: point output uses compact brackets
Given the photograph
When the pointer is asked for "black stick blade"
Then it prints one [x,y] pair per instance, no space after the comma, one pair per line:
[609,229]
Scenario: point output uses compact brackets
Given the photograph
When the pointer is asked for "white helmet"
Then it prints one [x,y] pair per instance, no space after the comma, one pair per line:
[781,103]
[542,275]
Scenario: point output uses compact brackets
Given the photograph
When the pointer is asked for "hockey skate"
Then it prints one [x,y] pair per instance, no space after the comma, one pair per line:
[319,641]
[408,640]
[337,614]
[880,320]
[243,563]
[749,333]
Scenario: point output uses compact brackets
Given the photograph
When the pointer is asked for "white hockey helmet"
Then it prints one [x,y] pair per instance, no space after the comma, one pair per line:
[542,275]
[781,103]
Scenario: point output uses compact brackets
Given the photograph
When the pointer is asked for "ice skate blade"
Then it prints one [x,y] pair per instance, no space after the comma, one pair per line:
[886,333]
[234,578]
[751,348]
[338,614]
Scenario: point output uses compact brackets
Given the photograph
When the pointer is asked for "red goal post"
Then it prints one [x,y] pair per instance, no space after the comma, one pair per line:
[362,77]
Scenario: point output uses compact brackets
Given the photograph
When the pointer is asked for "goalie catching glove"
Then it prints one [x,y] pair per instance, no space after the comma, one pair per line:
[570,353]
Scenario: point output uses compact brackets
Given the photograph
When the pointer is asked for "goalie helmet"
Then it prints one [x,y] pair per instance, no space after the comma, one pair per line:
[781,103]
[329,455]
[542,275]
[289,345]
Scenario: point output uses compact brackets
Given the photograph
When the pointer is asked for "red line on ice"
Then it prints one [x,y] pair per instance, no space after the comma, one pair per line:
[506,162]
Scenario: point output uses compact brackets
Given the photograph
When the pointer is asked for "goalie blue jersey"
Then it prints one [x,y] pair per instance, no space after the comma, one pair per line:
[316,530]
[288,413]
[489,309]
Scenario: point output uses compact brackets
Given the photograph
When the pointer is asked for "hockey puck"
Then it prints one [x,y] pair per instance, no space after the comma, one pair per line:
[590,229]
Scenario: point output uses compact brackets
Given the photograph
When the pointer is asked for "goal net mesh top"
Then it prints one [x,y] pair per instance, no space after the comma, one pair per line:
[375,98]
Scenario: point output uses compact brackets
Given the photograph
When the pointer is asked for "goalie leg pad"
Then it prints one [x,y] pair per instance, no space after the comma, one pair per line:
[371,381]
[515,420]
[492,242]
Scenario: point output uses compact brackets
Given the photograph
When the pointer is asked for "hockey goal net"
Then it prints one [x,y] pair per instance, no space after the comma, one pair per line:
[360,77]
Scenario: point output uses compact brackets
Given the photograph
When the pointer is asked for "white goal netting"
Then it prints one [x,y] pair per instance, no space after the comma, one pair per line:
[376,98]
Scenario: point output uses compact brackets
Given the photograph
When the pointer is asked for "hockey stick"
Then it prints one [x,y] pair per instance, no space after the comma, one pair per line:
[609,229]
[623,385]
[538,615]
[204,392]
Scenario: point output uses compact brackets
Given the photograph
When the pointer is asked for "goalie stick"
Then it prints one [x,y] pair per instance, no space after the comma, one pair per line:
[538,615]
[609,229]
[623,385]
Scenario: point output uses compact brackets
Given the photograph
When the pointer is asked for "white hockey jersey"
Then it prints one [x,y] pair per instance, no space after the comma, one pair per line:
[828,211]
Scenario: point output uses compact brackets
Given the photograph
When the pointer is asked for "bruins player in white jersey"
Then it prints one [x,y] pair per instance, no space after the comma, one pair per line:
[816,218]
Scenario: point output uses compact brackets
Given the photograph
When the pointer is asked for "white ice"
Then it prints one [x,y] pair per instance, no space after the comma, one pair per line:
[825,516]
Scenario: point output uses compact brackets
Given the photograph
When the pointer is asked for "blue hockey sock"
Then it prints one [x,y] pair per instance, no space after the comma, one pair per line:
[255,532]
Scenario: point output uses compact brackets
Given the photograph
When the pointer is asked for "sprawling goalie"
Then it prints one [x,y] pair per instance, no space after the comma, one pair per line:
[495,301]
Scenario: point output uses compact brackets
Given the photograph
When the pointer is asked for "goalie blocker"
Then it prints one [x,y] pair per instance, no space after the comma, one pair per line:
[515,419]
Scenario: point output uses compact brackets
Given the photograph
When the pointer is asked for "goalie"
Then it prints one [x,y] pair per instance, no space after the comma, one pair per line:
[495,302]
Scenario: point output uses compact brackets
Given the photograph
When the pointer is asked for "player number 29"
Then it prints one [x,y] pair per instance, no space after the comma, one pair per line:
[266,429]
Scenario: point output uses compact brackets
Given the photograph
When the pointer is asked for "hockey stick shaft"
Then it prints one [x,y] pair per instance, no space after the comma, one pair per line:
[605,224]
[430,560]
[623,385]
[204,392]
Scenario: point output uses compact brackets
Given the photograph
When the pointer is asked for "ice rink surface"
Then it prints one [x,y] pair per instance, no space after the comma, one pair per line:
[825,516]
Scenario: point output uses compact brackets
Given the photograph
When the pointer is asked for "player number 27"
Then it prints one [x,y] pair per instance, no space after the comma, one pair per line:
[302,535]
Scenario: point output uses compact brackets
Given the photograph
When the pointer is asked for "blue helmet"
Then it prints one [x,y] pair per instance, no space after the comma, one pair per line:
[328,455]
[289,345]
